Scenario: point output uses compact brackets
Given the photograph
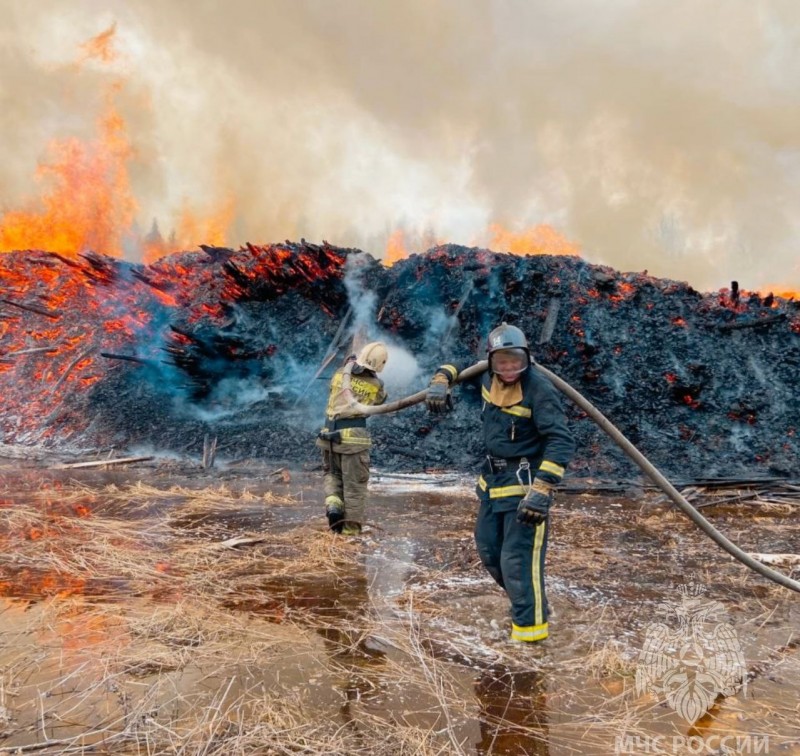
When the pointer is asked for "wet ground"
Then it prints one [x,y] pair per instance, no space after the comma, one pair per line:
[125,613]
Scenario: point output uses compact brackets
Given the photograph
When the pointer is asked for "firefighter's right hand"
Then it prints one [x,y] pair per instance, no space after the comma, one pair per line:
[333,436]
[438,399]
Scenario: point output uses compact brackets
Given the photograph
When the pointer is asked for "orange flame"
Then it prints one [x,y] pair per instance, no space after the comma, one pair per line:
[192,230]
[538,240]
[100,47]
[87,201]
[395,248]
[89,204]
[779,291]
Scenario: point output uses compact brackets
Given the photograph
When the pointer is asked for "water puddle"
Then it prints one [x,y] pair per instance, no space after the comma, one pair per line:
[175,612]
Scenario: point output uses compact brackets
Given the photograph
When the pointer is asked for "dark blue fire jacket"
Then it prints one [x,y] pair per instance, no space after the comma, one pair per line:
[534,431]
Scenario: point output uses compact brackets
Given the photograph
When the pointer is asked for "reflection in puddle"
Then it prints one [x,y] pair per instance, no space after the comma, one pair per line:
[128,617]
[512,704]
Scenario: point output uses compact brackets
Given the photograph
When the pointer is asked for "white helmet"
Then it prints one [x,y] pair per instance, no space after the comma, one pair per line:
[373,356]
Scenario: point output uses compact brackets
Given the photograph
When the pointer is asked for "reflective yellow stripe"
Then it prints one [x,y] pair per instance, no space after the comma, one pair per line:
[529,632]
[349,438]
[503,491]
[450,369]
[552,468]
[485,393]
[517,410]
[500,493]
[536,575]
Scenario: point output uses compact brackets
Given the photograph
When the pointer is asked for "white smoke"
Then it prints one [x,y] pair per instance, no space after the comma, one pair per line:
[402,375]
[656,134]
[362,300]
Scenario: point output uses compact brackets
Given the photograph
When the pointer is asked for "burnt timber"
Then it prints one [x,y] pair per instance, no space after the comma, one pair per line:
[227,343]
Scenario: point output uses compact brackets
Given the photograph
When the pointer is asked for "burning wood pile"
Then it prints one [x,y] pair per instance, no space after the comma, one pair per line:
[96,352]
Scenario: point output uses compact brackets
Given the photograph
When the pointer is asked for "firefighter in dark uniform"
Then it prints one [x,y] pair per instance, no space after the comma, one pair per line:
[345,442]
[529,446]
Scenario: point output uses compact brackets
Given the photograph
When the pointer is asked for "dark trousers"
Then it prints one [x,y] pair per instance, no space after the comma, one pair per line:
[514,554]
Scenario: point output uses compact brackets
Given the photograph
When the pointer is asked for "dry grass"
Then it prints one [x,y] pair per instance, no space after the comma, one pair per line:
[144,636]
[137,651]
[140,493]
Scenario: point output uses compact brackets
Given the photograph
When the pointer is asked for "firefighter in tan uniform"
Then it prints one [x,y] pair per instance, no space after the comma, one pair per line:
[345,442]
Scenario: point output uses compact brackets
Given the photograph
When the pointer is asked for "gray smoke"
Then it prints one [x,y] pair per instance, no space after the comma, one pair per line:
[655,134]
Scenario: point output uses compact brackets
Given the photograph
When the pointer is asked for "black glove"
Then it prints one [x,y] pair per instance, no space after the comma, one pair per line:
[438,399]
[534,508]
[334,436]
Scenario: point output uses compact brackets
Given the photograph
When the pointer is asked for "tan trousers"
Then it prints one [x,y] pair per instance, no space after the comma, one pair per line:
[347,476]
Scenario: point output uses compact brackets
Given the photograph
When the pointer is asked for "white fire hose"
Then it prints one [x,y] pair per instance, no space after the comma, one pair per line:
[355,408]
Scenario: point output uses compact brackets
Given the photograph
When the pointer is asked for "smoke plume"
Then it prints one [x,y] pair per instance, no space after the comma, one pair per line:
[655,134]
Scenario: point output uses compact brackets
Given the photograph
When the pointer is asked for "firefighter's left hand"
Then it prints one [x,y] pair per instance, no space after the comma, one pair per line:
[535,507]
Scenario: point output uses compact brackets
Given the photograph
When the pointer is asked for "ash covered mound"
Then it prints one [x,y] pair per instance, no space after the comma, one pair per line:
[238,344]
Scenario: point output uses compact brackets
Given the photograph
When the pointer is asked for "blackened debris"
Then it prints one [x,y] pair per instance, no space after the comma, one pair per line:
[227,342]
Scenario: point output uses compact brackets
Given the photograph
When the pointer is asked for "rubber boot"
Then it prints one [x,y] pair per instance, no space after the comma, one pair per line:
[334,511]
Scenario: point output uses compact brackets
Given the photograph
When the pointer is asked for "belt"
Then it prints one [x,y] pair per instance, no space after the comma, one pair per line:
[347,422]
[501,464]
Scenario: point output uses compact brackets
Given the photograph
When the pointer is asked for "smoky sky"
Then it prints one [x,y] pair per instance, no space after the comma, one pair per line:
[655,134]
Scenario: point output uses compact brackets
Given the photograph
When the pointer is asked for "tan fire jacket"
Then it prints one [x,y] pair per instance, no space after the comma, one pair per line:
[354,437]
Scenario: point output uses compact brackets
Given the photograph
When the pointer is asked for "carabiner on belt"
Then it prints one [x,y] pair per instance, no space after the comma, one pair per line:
[525,466]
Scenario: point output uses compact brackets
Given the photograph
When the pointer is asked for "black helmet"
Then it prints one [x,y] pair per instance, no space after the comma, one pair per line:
[508,337]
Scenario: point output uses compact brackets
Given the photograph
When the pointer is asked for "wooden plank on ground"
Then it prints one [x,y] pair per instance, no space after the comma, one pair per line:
[102,462]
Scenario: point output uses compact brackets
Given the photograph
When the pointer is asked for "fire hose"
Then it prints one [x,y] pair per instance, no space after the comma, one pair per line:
[356,408]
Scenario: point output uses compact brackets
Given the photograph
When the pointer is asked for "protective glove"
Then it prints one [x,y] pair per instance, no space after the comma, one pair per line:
[535,507]
[334,436]
[438,399]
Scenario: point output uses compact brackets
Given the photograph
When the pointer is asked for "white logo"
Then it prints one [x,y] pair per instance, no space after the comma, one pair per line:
[691,660]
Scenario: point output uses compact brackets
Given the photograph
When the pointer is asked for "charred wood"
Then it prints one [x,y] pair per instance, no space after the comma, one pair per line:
[550,320]
[768,321]
[128,358]
[252,326]
[104,269]
[67,261]
[33,350]
[141,275]
[103,463]
[209,451]
[82,356]
[52,314]
[217,254]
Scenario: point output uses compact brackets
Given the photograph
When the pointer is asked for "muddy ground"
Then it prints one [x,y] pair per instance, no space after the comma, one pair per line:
[169,609]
